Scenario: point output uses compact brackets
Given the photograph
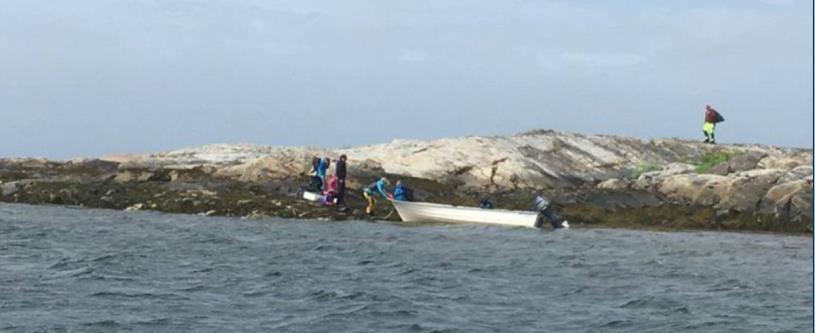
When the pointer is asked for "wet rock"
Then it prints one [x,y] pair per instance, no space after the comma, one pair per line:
[55,199]
[613,184]
[778,198]
[9,188]
[138,206]
[132,176]
[256,215]
[801,206]
[91,165]
[621,199]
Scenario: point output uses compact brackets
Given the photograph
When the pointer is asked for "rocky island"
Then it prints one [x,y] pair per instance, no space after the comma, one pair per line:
[594,180]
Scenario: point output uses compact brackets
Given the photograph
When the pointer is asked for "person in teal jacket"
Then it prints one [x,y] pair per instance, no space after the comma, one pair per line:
[369,192]
[322,169]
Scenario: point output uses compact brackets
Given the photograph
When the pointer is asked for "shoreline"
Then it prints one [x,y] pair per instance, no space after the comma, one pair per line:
[592,180]
[577,226]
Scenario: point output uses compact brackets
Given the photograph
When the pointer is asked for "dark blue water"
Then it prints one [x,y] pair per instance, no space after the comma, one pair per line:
[94,270]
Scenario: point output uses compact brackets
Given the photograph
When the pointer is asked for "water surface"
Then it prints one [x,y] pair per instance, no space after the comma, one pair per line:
[64,269]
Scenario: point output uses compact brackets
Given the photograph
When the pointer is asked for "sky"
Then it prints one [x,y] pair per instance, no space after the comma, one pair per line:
[99,77]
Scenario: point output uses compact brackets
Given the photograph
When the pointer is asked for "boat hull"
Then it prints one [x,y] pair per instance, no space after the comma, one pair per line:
[431,212]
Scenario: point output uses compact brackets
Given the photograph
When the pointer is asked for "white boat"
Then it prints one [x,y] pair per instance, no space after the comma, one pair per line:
[316,197]
[431,212]
[311,196]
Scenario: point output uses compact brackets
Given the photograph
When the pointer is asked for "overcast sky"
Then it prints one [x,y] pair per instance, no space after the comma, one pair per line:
[95,77]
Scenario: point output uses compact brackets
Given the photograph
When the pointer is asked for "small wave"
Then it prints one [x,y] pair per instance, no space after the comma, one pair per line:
[109,323]
[579,265]
[651,302]
[681,309]
[354,295]
[444,264]
[64,262]
[729,285]
[198,287]
[259,293]
[573,291]
[273,274]
[103,258]
[401,313]
[155,321]
[707,325]
[123,294]
[322,295]
[617,324]
[105,277]
[203,270]
[73,273]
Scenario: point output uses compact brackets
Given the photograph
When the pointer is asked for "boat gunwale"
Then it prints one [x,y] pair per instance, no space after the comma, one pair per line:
[479,209]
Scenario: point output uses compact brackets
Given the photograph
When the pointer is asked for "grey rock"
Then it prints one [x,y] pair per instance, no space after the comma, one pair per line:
[9,188]
[613,184]
[138,206]
[746,161]
[745,191]
[798,173]
[721,169]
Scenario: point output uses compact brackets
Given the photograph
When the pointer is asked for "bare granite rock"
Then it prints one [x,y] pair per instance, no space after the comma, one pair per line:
[591,175]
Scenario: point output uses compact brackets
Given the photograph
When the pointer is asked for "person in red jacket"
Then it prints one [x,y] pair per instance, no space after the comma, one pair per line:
[711,118]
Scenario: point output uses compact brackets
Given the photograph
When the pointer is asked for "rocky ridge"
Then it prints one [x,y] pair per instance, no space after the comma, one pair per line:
[594,178]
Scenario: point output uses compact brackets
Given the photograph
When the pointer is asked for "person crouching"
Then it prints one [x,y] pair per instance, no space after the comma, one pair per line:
[546,212]
[370,192]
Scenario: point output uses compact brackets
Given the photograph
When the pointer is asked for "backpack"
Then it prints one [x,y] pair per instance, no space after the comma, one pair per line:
[717,117]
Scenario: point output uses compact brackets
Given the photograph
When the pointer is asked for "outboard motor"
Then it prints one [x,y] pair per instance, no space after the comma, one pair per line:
[541,204]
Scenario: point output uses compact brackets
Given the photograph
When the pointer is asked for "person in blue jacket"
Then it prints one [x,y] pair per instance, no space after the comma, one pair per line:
[401,192]
[486,203]
[322,169]
[370,192]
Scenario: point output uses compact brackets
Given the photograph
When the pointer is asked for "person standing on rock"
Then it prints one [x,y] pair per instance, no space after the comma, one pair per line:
[546,212]
[369,192]
[712,117]
[341,172]
[322,168]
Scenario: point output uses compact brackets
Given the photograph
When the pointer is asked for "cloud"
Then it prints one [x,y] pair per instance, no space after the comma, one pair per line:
[412,56]
[779,2]
[258,25]
[602,59]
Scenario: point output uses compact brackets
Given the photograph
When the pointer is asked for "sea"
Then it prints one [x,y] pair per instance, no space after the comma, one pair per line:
[83,270]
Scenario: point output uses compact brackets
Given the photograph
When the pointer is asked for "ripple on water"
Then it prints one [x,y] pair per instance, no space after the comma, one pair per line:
[203,274]
[134,294]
